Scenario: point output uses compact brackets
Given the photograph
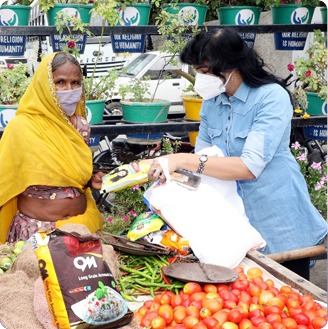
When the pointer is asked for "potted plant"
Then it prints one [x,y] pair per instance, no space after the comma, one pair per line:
[291,12]
[310,92]
[13,82]
[16,13]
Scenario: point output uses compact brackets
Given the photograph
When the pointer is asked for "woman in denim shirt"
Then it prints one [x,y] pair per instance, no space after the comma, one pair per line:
[247,113]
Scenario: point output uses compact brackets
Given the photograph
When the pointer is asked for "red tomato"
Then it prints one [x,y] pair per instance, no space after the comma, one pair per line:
[158,323]
[179,315]
[264,325]
[278,326]
[229,325]
[289,323]
[165,298]
[211,322]
[221,316]
[212,295]
[256,320]
[245,297]
[197,303]
[201,295]
[273,318]
[147,318]
[275,301]
[286,290]
[228,295]
[301,318]
[265,296]
[235,316]
[189,321]
[176,300]
[192,287]
[166,312]
[192,311]
[293,311]
[245,324]
[272,309]
[213,305]
[240,284]
[142,310]
[208,287]
[254,290]
[199,325]
[322,312]
[318,322]
[239,269]
[221,286]
[229,304]
[292,302]
[309,306]
[302,326]
[243,308]
[186,302]
[153,305]
[256,313]
[204,313]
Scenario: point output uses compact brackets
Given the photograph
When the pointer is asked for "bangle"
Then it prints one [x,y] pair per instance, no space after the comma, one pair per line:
[202,159]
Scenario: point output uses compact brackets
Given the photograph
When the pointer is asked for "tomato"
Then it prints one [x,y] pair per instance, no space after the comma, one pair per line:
[221,286]
[275,301]
[286,290]
[273,318]
[221,316]
[212,295]
[293,311]
[272,309]
[176,300]
[264,325]
[142,310]
[265,296]
[245,324]
[254,290]
[191,288]
[253,272]
[301,318]
[239,269]
[310,313]
[213,305]
[189,321]
[211,322]
[292,302]
[245,297]
[204,313]
[179,315]
[147,318]
[229,325]
[158,323]
[166,312]
[229,304]
[275,290]
[186,302]
[152,305]
[165,298]
[256,320]
[201,295]
[289,323]
[137,317]
[235,316]
[228,295]
[243,308]
[240,284]
[192,311]
[199,325]
[269,282]
[256,313]
[318,322]
[278,326]
[309,306]
[197,303]
[322,312]
[236,292]
[208,287]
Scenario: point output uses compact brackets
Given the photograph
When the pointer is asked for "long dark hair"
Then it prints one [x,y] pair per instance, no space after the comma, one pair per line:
[222,50]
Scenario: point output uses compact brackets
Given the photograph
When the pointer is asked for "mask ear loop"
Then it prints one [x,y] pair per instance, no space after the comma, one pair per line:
[230,76]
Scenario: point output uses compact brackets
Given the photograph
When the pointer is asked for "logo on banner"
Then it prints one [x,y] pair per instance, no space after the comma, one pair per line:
[300,16]
[324,109]
[8,17]
[5,116]
[129,16]
[189,15]
[245,17]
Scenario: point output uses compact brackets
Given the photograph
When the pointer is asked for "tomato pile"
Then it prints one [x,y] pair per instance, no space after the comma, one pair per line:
[248,303]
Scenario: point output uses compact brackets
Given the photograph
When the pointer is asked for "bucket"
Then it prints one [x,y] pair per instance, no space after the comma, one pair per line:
[95,111]
[190,13]
[83,11]
[7,112]
[142,112]
[137,14]
[323,11]
[192,108]
[240,15]
[291,14]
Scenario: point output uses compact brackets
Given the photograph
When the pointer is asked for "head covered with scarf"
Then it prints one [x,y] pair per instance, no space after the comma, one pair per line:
[41,147]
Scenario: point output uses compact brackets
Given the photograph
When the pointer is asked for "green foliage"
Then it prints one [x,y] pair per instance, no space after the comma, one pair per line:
[45,5]
[135,90]
[315,177]
[312,71]
[13,83]
[269,3]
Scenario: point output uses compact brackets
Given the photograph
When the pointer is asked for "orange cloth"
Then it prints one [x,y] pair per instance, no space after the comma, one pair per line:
[40,147]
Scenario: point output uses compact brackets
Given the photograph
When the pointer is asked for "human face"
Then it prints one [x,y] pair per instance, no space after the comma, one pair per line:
[67,77]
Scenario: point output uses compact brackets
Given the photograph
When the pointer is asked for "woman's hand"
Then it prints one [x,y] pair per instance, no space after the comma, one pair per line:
[96,180]
[156,173]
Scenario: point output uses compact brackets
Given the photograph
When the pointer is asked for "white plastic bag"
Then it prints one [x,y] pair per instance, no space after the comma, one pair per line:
[212,218]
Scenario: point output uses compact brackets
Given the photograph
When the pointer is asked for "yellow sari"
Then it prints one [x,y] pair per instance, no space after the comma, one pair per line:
[41,147]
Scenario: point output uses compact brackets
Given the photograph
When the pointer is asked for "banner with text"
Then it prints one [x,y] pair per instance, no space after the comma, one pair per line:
[12,45]
[59,41]
[130,43]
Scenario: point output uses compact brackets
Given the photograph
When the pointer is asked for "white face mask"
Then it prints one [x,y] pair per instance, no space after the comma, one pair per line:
[69,99]
[209,86]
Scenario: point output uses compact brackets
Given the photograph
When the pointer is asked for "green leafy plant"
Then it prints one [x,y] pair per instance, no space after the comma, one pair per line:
[311,72]
[269,3]
[315,176]
[13,83]
[136,90]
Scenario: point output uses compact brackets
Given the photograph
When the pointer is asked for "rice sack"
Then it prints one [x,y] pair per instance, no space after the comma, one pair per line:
[79,286]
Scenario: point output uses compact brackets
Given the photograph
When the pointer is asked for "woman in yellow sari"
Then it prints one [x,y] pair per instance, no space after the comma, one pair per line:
[46,164]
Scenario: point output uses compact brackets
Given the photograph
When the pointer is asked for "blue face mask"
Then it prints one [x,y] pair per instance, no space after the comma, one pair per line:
[69,99]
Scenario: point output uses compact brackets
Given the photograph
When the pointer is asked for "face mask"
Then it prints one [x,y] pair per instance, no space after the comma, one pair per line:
[69,99]
[209,86]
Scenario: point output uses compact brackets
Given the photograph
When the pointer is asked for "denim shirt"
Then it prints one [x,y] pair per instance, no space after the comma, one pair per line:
[255,125]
